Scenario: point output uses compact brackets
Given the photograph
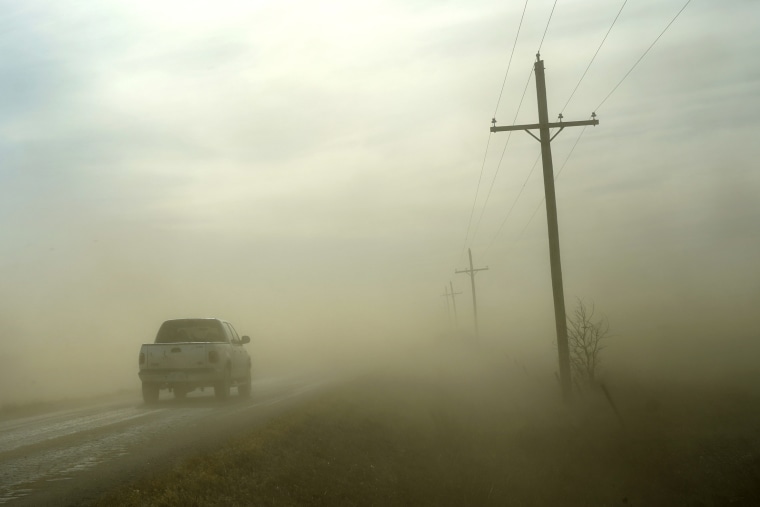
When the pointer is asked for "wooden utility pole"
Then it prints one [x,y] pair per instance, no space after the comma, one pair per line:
[545,139]
[472,272]
[448,308]
[454,301]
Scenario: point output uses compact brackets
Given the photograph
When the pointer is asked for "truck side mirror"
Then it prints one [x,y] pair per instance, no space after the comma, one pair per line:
[246,339]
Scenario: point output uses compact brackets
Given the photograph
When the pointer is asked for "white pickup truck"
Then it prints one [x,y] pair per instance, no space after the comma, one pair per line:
[195,353]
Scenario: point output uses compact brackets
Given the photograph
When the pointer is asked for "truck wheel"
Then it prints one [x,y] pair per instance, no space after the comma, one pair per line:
[222,388]
[149,393]
[244,388]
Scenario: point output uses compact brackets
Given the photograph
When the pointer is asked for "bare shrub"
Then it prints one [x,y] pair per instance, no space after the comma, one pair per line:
[586,338]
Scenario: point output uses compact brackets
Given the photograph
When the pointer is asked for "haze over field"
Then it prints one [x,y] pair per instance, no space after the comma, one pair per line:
[307,170]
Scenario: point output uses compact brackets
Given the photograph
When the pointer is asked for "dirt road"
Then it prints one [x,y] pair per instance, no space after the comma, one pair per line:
[74,454]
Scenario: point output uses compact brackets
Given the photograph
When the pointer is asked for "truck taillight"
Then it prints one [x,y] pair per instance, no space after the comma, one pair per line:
[213,356]
[142,357]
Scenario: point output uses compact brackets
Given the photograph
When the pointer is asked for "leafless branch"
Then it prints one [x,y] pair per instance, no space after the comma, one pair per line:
[586,336]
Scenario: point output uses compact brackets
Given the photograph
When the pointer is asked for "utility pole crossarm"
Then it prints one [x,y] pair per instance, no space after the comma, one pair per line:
[469,271]
[558,124]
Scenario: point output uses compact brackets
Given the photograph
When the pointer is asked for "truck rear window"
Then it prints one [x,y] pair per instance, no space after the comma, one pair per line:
[190,330]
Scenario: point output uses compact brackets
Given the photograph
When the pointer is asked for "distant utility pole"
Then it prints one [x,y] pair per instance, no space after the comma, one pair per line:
[454,301]
[448,308]
[472,272]
[543,127]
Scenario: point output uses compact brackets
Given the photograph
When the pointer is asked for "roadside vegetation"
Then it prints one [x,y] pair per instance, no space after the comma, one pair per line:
[465,429]
[587,336]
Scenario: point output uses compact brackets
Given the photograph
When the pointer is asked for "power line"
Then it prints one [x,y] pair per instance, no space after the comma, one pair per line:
[556,176]
[547,26]
[593,57]
[474,202]
[512,54]
[643,55]
[564,163]
[498,167]
[605,98]
[533,168]
[485,155]
[530,219]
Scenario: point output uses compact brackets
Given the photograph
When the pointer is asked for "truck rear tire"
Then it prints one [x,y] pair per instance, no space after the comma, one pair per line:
[222,388]
[244,388]
[149,393]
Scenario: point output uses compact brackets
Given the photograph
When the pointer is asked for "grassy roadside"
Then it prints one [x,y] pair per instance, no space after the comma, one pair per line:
[453,433]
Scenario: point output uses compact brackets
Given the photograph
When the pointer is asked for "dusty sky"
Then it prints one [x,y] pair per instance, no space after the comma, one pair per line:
[307,170]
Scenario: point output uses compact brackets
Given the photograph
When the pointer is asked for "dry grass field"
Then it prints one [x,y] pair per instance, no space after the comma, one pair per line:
[467,428]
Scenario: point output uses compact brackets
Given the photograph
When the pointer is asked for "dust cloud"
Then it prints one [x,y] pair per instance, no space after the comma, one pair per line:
[77,308]
[311,182]
[80,312]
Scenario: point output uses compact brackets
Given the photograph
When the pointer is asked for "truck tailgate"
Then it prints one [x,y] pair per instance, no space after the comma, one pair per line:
[175,355]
